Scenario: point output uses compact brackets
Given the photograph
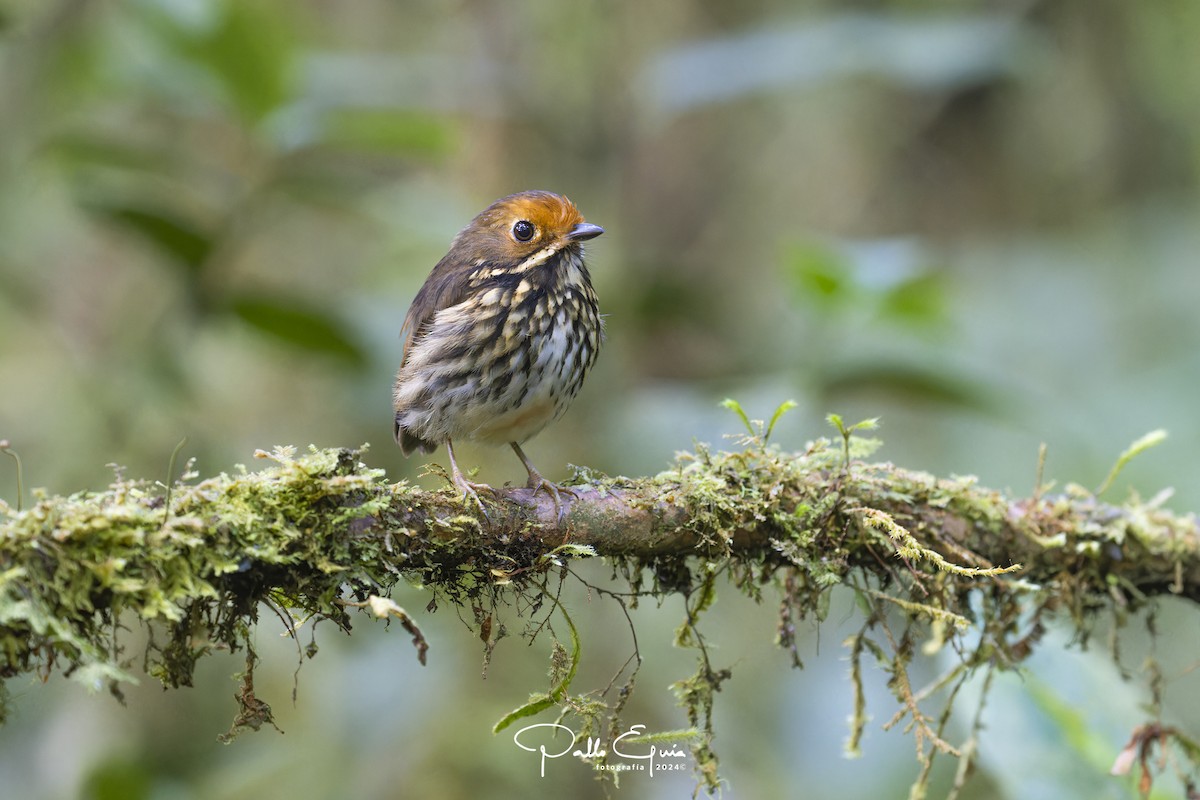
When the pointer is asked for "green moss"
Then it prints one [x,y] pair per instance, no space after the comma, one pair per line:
[194,573]
[320,533]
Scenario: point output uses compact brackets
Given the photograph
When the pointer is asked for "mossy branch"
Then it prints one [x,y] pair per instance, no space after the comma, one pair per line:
[322,532]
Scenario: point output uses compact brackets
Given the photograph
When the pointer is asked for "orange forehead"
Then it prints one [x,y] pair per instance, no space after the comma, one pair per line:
[548,211]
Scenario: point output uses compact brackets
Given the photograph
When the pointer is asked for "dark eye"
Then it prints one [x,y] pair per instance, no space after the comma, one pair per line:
[523,230]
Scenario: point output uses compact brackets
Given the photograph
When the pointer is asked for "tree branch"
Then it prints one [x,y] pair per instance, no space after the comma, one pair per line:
[322,531]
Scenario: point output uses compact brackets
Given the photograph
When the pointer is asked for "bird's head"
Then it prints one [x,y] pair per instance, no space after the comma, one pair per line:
[521,226]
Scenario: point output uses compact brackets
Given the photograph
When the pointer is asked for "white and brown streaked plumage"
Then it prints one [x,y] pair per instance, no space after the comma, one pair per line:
[499,338]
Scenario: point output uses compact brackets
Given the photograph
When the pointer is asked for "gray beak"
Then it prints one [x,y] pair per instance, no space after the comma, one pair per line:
[584,230]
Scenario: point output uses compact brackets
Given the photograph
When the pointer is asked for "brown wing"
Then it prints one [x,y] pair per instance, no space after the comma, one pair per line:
[447,285]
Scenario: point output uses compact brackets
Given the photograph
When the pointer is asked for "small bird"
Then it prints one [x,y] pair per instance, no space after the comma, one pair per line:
[499,338]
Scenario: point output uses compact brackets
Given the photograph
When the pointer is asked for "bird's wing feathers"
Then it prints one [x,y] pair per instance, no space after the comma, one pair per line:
[446,286]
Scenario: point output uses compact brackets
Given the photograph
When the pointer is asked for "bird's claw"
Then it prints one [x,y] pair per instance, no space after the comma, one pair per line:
[537,484]
[471,492]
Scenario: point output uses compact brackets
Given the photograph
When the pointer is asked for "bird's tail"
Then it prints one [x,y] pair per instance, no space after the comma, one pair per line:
[408,442]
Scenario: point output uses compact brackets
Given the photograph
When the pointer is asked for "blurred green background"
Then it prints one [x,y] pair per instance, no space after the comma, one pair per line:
[976,220]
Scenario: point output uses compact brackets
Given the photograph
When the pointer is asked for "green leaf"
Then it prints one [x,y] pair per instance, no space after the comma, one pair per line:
[249,49]
[848,432]
[119,778]
[300,326]
[1151,439]
[664,736]
[918,382]
[180,239]
[8,451]
[537,704]
[736,407]
[917,301]
[784,407]
[251,52]
[95,149]
[390,130]
[540,702]
[820,273]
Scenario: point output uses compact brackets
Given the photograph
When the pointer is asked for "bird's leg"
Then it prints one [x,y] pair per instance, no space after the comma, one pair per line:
[539,484]
[469,489]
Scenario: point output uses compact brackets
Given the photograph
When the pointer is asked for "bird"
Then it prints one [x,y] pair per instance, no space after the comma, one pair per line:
[499,338]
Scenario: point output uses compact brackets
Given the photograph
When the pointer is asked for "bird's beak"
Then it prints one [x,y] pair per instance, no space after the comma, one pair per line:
[584,230]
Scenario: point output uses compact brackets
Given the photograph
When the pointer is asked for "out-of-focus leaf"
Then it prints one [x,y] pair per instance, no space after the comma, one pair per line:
[389,130]
[300,325]
[178,238]
[118,779]
[74,69]
[663,298]
[89,149]
[320,181]
[249,48]
[252,52]
[820,273]
[918,300]
[910,380]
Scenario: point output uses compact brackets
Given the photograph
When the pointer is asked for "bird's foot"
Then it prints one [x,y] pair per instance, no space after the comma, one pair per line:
[471,491]
[537,483]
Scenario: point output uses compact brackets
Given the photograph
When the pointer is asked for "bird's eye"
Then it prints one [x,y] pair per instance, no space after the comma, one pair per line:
[523,230]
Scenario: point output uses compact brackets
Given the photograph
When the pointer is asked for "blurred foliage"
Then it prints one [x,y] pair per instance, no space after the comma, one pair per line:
[976,220]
